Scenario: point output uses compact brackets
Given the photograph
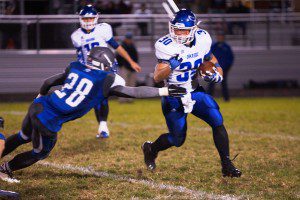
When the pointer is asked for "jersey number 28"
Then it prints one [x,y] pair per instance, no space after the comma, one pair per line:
[83,88]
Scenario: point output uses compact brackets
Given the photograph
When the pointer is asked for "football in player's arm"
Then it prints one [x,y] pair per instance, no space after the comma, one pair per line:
[179,54]
[89,35]
[84,86]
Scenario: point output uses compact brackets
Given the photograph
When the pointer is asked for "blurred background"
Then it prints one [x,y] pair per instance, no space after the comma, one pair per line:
[264,36]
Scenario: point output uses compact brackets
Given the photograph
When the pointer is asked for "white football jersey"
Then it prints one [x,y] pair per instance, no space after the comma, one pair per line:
[192,56]
[84,41]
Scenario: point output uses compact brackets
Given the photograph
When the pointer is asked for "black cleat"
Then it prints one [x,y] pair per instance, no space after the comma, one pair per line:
[149,156]
[6,175]
[228,169]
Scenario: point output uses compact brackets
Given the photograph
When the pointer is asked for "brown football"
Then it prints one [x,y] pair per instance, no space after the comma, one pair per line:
[207,68]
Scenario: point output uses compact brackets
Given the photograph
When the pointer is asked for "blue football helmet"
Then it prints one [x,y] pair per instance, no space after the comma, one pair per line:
[183,20]
[88,12]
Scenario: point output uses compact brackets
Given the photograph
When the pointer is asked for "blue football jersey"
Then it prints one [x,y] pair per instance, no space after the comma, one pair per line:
[82,90]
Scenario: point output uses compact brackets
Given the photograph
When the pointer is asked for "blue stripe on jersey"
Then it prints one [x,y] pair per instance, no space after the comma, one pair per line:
[113,43]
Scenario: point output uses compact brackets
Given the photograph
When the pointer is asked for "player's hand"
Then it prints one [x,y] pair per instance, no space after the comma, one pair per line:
[215,78]
[136,67]
[175,62]
[176,91]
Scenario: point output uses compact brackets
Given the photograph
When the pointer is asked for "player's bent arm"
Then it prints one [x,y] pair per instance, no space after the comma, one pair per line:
[162,71]
[122,52]
[55,80]
[214,60]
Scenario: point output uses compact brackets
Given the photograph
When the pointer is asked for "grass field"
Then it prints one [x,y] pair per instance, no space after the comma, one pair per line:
[265,132]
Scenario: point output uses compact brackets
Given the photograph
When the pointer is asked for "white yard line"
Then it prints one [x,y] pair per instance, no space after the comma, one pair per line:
[195,194]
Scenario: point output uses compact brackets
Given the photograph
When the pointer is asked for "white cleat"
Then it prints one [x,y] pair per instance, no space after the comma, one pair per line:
[103,131]
[8,178]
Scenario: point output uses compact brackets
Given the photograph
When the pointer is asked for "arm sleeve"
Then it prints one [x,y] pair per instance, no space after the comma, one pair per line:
[134,92]
[55,80]
[113,43]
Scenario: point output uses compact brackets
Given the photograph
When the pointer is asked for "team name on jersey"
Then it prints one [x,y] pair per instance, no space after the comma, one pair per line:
[193,55]
[90,39]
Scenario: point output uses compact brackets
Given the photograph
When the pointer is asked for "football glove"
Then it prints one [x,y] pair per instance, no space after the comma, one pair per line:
[176,91]
[175,62]
[215,78]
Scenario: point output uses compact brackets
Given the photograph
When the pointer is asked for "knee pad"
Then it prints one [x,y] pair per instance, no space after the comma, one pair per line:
[40,155]
[23,138]
[177,141]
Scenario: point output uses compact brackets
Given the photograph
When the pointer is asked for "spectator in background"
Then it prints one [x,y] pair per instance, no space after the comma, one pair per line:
[126,70]
[143,26]
[237,7]
[11,32]
[218,6]
[124,7]
[111,8]
[222,51]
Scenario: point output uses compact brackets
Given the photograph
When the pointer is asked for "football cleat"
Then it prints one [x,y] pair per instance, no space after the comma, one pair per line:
[7,175]
[149,156]
[102,134]
[228,169]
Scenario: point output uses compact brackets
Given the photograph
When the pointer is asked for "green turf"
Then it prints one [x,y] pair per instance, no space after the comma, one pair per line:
[265,132]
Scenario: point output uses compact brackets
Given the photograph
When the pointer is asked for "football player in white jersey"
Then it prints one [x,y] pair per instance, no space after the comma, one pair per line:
[92,34]
[179,55]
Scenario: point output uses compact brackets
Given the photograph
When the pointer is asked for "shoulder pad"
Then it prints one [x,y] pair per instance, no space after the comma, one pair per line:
[166,48]
[76,38]
[105,30]
[204,36]
[103,25]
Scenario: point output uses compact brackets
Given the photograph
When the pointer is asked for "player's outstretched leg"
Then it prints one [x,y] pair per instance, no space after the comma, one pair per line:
[101,112]
[176,122]
[208,110]
[23,137]
[222,144]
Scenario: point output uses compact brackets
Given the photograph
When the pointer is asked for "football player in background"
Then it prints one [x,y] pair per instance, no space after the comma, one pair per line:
[84,86]
[179,55]
[91,34]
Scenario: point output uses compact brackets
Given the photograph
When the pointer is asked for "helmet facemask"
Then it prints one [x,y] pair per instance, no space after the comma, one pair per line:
[90,24]
[182,39]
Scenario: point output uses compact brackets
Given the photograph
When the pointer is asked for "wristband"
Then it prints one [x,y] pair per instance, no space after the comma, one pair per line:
[163,91]
[217,65]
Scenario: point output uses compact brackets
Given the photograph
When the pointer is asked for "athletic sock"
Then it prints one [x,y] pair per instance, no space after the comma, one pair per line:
[13,142]
[103,127]
[22,160]
[161,143]
[221,141]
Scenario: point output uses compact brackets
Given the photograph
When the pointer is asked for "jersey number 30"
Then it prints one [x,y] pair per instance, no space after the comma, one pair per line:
[83,88]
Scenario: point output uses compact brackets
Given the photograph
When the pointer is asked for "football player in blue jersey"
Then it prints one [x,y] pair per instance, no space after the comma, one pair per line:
[179,55]
[92,34]
[84,86]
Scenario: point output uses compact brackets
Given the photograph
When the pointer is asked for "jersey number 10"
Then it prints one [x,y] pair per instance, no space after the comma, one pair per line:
[75,98]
